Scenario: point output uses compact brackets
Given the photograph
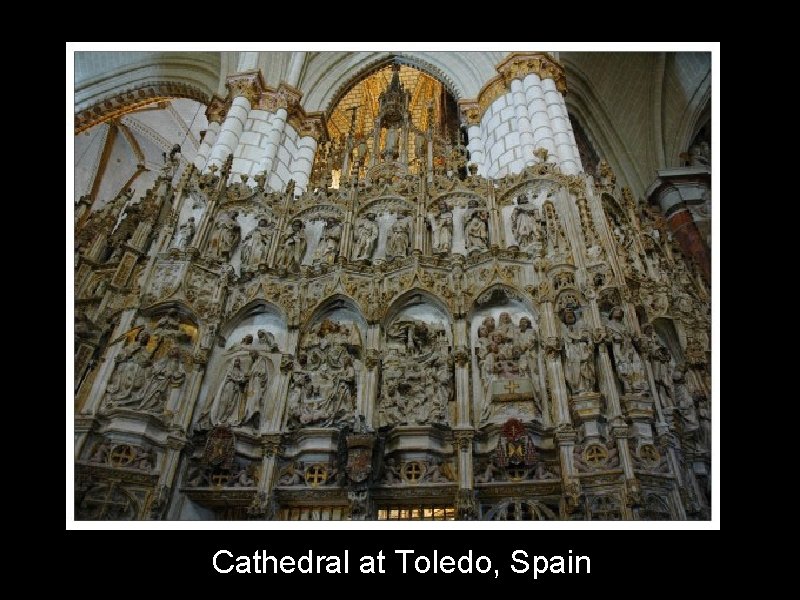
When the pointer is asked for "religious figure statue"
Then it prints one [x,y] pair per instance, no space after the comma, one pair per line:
[255,247]
[476,233]
[344,396]
[441,229]
[328,246]
[167,373]
[225,407]
[185,235]
[131,374]
[683,397]
[293,248]
[527,341]
[225,236]
[366,238]
[525,225]
[579,351]
[398,242]
[251,409]
[390,149]
[323,388]
[626,358]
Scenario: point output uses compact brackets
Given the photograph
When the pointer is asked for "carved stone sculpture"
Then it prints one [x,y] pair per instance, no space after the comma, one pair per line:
[131,373]
[441,229]
[508,364]
[627,361]
[225,236]
[293,249]
[579,353]
[417,376]
[324,388]
[185,235]
[397,244]
[255,247]
[366,238]
[525,223]
[476,232]
[167,373]
[328,247]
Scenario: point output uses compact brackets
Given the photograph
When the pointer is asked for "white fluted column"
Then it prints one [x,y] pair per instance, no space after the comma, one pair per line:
[575,150]
[303,162]
[206,145]
[231,131]
[475,147]
[537,111]
[557,111]
[273,139]
[523,121]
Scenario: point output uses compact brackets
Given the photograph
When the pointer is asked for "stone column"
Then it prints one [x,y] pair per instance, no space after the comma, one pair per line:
[523,121]
[557,111]
[461,356]
[166,478]
[674,190]
[184,414]
[552,345]
[204,151]
[475,147]
[231,130]
[690,240]
[369,395]
[107,363]
[274,138]
[539,117]
[466,503]
[244,89]
[303,162]
[273,418]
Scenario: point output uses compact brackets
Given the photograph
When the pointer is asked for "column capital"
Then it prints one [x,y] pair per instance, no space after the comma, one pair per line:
[249,84]
[470,111]
[285,96]
[518,65]
[271,443]
[463,438]
[681,185]
[217,110]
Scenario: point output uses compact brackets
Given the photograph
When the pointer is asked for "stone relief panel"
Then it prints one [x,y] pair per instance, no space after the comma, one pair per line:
[383,230]
[508,369]
[522,216]
[580,361]
[628,364]
[417,370]
[226,233]
[242,376]
[326,378]
[258,230]
[150,369]
[189,220]
[470,223]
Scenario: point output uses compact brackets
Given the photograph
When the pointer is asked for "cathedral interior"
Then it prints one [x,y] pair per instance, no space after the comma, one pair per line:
[392,286]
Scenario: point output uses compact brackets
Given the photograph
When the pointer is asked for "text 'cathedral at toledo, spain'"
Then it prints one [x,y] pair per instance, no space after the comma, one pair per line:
[408,289]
